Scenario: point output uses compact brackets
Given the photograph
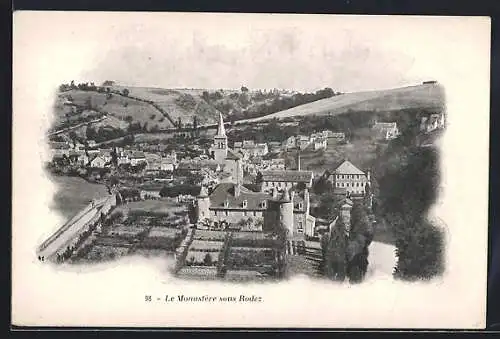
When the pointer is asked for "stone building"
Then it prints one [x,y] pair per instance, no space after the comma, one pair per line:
[230,204]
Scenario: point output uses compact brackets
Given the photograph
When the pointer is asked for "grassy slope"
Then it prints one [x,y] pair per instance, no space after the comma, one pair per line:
[139,111]
[169,101]
[393,99]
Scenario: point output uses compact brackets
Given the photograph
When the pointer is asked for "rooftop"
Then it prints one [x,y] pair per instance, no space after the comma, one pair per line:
[347,168]
[287,176]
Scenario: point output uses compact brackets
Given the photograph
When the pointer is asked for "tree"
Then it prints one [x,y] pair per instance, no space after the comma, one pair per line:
[244,89]
[207,261]
[335,259]
[88,103]
[125,92]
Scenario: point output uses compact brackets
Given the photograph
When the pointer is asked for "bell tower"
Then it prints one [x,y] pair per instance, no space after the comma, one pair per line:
[219,148]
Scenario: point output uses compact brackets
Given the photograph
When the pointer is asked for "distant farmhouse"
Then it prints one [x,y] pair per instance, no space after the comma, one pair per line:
[250,149]
[349,180]
[385,130]
[432,122]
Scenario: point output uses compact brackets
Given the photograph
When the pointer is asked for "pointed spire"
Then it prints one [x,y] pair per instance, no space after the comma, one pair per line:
[220,129]
[203,192]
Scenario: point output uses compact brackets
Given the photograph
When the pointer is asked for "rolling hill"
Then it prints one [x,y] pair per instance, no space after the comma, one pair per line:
[420,96]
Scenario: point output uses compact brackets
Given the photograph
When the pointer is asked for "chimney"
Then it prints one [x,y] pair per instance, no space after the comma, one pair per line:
[369,176]
[275,193]
[298,161]
[292,195]
[237,190]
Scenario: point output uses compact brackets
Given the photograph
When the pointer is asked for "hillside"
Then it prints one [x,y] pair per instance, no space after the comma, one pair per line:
[420,96]
[125,109]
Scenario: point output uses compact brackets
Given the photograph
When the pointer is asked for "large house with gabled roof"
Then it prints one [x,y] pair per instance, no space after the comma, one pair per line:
[347,179]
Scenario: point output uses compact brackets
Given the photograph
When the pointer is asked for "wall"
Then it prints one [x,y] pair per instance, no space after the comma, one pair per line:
[234,216]
[343,180]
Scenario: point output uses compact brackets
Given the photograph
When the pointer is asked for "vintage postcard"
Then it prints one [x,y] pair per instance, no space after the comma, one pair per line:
[249,170]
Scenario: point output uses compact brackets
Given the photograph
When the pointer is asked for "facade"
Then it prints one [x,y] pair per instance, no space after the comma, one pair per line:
[284,179]
[136,158]
[348,179]
[386,130]
[98,162]
[432,122]
[250,149]
[290,143]
[320,143]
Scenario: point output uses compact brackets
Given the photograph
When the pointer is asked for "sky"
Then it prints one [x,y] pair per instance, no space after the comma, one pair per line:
[298,52]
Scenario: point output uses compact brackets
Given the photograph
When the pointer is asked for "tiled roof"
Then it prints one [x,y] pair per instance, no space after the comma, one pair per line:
[384,125]
[198,165]
[347,168]
[58,145]
[137,155]
[226,192]
[287,176]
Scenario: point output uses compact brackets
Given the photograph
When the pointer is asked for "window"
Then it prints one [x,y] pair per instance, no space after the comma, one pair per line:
[245,213]
[226,213]
[254,214]
[300,228]
[245,204]
[301,205]
[215,213]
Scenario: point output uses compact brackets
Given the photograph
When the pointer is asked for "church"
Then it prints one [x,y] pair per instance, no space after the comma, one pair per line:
[230,161]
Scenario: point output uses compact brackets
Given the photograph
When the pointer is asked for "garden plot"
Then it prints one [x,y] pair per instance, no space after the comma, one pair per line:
[209,235]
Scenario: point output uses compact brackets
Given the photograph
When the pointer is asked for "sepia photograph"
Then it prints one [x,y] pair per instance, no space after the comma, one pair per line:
[249,170]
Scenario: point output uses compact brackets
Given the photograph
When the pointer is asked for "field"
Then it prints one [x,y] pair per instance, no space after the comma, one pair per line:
[205,245]
[73,193]
[209,235]
[162,206]
[118,106]
[161,232]
[177,103]
[386,100]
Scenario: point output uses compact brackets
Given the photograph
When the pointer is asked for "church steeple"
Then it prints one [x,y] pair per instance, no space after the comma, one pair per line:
[221,131]
[219,148]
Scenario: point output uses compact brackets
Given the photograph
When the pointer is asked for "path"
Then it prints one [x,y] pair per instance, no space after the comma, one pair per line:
[65,235]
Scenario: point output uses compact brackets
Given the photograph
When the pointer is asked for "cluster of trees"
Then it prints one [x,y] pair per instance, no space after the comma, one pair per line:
[281,103]
[102,134]
[180,189]
[406,193]
[345,253]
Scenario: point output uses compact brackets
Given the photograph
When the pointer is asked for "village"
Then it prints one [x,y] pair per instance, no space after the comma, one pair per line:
[245,211]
